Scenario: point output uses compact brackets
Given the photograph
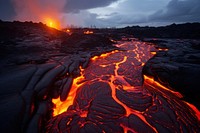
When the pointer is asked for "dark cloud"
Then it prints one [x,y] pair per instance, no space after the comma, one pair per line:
[77,5]
[7,11]
[179,11]
[122,20]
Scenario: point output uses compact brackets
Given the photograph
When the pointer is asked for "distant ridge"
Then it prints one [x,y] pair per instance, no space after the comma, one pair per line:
[181,31]
[186,30]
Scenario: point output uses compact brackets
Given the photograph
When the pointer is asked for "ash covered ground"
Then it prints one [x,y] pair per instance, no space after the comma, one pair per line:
[39,64]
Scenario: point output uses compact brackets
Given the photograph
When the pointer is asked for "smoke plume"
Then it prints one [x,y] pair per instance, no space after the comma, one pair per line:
[39,11]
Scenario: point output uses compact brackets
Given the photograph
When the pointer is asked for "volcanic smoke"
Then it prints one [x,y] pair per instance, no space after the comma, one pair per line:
[46,11]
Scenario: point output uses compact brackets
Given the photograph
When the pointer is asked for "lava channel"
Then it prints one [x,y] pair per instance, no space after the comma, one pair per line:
[110,96]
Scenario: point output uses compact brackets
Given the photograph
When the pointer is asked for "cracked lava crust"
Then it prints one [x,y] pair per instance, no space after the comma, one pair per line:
[112,95]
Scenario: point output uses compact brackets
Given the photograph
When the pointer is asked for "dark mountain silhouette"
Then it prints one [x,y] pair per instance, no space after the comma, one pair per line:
[186,30]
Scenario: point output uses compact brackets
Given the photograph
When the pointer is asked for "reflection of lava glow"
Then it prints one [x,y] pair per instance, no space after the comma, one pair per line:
[159,49]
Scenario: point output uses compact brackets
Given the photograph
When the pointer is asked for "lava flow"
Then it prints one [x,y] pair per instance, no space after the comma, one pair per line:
[110,96]
[63,106]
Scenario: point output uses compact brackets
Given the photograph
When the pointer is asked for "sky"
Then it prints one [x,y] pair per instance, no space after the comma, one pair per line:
[102,13]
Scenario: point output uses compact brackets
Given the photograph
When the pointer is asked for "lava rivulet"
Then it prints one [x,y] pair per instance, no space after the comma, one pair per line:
[63,106]
[111,97]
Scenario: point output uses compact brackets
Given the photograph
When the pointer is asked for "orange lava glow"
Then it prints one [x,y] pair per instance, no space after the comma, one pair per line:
[63,106]
[153,53]
[151,81]
[133,57]
[129,111]
[197,112]
[104,55]
[88,32]
[126,129]
[52,23]
[126,85]
[68,31]
[162,49]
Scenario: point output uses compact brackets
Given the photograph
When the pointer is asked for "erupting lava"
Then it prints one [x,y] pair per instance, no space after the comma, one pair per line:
[52,23]
[110,96]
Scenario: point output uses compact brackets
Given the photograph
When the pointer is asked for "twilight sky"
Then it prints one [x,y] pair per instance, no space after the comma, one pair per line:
[102,13]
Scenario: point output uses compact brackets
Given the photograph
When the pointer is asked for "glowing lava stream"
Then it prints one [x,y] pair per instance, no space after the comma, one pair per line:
[151,82]
[129,111]
[133,55]
[63,106]
[197,112]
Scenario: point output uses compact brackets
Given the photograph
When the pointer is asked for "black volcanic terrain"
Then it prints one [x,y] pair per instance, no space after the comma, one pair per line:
[127,80]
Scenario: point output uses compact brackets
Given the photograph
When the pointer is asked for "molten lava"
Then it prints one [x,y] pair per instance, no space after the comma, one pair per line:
[104,55]
[152,82]
[52,23]
[60,106]
[88,32]
[110,96]
[197,112]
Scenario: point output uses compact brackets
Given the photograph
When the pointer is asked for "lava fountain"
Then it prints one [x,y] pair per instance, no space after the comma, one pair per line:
[110,96]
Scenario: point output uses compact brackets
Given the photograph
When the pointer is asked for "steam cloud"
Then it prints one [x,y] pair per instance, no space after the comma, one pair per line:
[37,10]
[41,10]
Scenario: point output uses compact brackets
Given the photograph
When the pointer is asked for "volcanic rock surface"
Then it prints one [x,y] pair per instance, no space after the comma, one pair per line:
[177,66]
[38,64]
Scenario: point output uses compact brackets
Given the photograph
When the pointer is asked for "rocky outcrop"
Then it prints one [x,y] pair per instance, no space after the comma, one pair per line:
[178,67]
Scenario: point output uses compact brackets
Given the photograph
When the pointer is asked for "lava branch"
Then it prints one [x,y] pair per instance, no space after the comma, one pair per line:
[152,82]
[63,106]
[129,111]
[159,87]
[197,112]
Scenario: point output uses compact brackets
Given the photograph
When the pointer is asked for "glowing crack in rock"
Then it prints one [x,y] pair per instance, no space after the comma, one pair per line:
[110,96]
